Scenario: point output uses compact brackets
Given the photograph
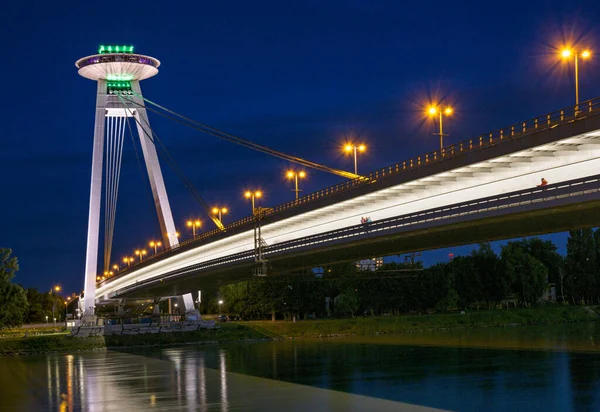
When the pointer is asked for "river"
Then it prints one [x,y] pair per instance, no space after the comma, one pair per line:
[549,368]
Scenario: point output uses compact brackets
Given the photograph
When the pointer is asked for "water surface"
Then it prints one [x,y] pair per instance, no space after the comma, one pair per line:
[550,368]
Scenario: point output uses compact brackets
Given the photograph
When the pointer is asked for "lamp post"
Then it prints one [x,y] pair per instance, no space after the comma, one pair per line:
[447,111]
[252,195]
[220,303]
[219,211]
[46,319]
[292,174]
[128,260]
[116,267]
[352,147]
[141,253]
[66,306]
[194,224]
[566,54]
[155,244]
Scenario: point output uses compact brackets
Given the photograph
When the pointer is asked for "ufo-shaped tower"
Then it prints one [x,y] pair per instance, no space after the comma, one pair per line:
[118,72]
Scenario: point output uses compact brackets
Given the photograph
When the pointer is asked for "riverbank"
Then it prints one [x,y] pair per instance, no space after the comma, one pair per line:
[265,330]
[414,323]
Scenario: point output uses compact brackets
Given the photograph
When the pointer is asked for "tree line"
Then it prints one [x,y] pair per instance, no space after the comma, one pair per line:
[19,305]
[520,275]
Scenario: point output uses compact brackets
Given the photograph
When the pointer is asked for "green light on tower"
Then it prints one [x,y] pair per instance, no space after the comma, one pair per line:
[115,49]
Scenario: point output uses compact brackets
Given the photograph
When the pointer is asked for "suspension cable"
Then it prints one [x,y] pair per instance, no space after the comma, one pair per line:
[114,150]
[238,140]
[139,162]
[153,137]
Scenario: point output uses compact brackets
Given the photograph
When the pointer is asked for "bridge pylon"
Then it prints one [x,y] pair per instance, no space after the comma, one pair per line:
[260,264]
[118,72]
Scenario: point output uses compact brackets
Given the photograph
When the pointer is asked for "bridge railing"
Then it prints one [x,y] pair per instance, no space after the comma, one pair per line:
[518,130]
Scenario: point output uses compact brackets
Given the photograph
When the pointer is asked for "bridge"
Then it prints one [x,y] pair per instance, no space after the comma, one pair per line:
[477,190]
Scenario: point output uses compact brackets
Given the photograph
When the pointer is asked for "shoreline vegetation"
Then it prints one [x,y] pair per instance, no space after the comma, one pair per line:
[28,342]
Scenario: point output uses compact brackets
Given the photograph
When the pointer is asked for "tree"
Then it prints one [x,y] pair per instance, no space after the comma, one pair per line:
[529,274]
[466,280]
[13,302]
[346,303]
[580,280]
[495,286]
[545,252]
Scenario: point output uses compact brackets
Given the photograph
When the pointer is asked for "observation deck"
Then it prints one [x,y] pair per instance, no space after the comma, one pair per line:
[120,65]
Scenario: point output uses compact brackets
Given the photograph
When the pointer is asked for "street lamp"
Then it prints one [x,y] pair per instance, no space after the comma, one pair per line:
[352,147]
[128,260]
[116,267]
[252,195]
[220,303]
[219,211]
[155,244]
[436,110]
[141,253]
[46,319]
[566,54]
[292,174]
[194,224]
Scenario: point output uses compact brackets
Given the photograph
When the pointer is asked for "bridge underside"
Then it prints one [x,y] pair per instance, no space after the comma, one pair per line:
[537,222]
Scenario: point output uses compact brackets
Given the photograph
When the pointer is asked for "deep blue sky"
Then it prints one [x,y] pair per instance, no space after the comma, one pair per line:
[297,76]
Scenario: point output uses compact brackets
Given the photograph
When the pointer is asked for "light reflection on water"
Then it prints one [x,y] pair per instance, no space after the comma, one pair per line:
[173,380]
[388,369]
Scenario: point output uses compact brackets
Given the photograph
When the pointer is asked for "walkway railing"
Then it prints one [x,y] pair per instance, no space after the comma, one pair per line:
[550,120]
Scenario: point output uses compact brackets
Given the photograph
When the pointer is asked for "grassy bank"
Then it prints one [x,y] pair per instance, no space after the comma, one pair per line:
[65,343]
[257,330]
[411,323]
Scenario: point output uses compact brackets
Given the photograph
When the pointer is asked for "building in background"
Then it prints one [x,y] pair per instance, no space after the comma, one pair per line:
[370,264]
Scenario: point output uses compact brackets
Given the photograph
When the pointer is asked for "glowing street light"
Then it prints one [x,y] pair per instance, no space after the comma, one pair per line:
[116,267]
[219,211]
[252,195]
[292,174]
[194,224]
[447,111]
[566,54]
[155,244]
[352,147]
[220,303]
[128,260]
[141,253]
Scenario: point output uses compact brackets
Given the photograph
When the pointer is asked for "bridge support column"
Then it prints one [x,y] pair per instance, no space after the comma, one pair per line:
[191,313]
[121,307]
[91,255]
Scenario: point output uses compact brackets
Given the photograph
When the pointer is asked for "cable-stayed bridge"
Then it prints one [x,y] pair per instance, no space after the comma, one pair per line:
[481,189]
[478,190]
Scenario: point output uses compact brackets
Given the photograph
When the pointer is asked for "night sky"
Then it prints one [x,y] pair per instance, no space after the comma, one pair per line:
[301,77]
